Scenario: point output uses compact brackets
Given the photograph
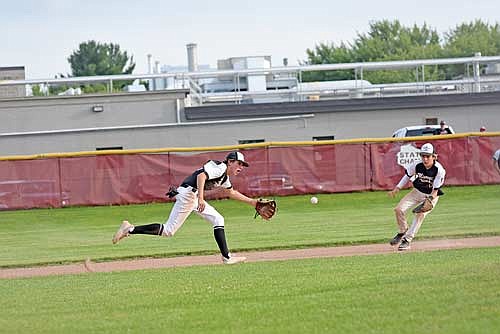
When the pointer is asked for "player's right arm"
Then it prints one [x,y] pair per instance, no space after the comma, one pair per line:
[404,180]
[236,195]
[200,184]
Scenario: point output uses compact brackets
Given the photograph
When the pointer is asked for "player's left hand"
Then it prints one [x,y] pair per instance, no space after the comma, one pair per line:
[393,192]
[201,205]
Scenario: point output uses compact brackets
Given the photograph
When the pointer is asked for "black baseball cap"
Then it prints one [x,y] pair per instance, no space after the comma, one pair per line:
[238,156]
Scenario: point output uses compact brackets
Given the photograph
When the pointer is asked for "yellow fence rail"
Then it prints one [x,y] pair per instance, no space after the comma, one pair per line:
[244,146]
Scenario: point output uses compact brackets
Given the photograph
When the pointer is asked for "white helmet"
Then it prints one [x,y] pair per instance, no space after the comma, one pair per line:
[427,149]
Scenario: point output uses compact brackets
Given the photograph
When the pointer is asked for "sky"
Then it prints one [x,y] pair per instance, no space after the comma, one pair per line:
[41,35]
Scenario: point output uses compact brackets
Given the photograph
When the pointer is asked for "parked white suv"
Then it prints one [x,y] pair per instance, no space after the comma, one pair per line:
[421,130]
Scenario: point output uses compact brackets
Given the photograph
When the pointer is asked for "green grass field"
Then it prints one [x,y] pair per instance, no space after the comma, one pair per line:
[453,291]
[45,236]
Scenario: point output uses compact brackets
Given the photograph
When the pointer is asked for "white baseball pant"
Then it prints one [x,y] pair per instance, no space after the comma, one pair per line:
[412,199]
[186,201]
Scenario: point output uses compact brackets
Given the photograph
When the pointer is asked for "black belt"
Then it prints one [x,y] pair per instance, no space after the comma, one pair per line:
[185,185]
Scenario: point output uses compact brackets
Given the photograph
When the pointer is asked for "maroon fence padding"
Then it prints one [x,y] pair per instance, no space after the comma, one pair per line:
[387,172]
[115,179]
[30,184]
[143,178]
[479,162]
[468,161]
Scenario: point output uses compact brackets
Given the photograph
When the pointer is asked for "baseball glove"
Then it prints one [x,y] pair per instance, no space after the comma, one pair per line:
[172,192]
[425,206]
[266,208]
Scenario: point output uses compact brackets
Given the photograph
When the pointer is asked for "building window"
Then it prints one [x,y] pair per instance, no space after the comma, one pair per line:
[109,148]
[317,138]
[251,141]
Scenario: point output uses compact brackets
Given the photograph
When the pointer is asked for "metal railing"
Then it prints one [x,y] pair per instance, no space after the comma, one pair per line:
[238,93]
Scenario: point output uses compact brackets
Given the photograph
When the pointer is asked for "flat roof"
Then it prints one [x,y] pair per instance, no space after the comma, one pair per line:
[10,68]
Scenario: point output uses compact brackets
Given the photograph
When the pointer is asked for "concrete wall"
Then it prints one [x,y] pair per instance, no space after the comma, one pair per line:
[12,73]
[149,120]
[74,112]
[62,124]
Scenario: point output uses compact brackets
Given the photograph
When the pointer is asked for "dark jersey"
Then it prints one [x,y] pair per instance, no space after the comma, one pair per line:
[425,180]
[216,172]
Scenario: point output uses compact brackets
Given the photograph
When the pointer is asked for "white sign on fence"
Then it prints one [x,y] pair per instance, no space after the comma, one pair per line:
[407,155]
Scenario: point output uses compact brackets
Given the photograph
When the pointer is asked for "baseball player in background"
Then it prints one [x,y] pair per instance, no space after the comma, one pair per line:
[496,160]
[190,197]
[427,177]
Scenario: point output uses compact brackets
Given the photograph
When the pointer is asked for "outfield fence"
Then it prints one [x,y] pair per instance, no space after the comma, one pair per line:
[276,168]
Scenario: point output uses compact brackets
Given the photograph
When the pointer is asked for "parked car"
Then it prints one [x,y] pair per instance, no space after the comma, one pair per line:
[420,130]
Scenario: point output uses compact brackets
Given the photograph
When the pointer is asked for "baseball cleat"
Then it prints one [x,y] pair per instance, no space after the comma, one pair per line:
[396,239]
[233,259]
[404,245]
[122,232]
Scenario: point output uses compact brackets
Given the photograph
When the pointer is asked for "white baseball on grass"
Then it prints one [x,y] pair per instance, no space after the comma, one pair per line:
[314,200]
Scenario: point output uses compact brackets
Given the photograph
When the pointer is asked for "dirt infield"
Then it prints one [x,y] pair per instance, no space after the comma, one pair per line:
[185,261]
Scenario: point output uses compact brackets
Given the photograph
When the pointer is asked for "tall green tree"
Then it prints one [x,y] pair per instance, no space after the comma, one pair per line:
[390,40]
[95,58]
[328,53]
[385,40]
[468,38]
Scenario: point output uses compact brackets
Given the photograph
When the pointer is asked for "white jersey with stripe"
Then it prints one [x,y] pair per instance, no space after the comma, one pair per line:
[217,177]
[216,172]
